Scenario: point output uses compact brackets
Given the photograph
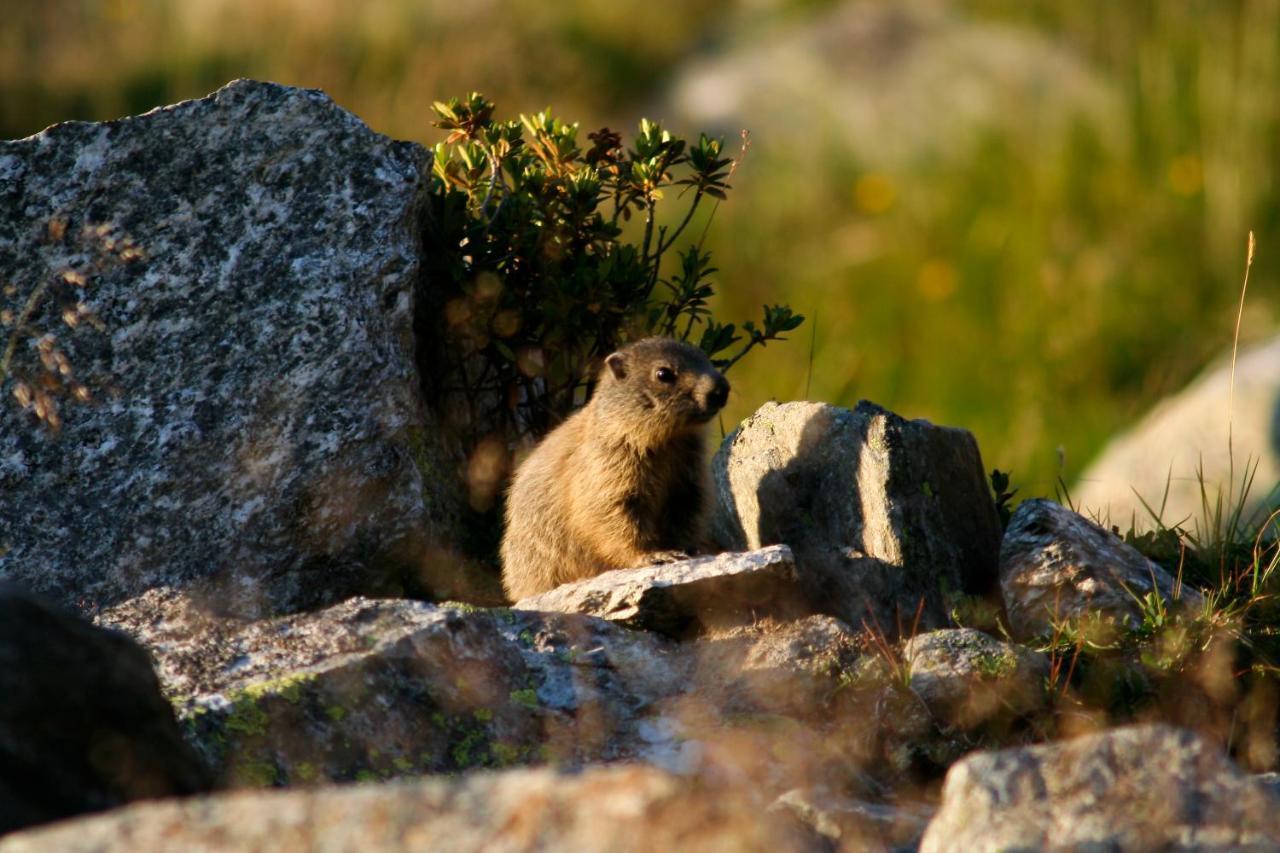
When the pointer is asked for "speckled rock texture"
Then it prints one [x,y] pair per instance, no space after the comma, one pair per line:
[792,667]
[683,597]
[83,726]
[968,678]
[378,688]
[1137,788]
[1057,564]
[255,431]
[627,808]
[381,689]
[881,512]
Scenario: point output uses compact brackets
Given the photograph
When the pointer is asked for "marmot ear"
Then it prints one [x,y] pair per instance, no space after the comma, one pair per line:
[617,363]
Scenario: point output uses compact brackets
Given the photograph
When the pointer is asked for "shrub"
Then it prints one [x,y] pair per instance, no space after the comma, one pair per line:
[525,243]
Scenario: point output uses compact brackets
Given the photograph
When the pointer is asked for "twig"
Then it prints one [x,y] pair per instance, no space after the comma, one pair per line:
[28,309]
[1235,347]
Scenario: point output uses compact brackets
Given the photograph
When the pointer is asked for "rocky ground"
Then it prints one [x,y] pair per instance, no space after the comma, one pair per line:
[257,513]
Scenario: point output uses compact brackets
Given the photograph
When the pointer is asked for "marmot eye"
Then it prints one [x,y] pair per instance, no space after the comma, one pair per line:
[665,374]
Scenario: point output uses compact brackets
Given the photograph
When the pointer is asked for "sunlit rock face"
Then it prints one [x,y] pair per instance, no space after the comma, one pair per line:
[239,272]
[883,514]
[1137,788]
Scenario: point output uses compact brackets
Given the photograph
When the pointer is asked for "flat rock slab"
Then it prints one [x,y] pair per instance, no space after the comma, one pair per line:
[255,426]
[629,808]
[1137,788]
[83,726]
[674,598]
[1056,564]
[882,513]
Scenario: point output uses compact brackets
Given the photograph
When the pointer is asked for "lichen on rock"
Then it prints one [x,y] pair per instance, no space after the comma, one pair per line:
[254,414]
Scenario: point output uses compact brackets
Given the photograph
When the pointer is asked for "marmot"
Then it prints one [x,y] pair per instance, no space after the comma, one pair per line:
[622,482]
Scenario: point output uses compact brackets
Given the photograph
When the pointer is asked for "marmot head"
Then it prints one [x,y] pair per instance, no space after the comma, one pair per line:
[660,385]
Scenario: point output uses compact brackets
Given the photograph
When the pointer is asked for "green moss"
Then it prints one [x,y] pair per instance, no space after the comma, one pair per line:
[335,712]
[464,751]
[403,764]
[927,489]
[366,776]
[527,697]
[248,714]
[420,448]
[305,771]
[247,717]
[484,715]
[255,774]
[288,688]
[461,606]
[505,754]
[995,665]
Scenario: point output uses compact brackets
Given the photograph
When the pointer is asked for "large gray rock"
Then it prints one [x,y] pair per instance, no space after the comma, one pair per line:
[881,512]
[615,808]
[684,596]
[373,689]
[1184,440]
[968,678]
[83,726]
[380,688]
[1055,564]
[1139,788]
[255,429]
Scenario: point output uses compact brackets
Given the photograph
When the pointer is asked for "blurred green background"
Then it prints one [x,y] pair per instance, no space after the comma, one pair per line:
[1027,219]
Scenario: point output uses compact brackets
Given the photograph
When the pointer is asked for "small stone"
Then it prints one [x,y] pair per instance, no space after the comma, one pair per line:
[968,678]
[1055,564]
[794,667]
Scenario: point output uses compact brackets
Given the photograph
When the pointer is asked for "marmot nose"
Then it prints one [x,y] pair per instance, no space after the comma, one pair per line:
[719,395]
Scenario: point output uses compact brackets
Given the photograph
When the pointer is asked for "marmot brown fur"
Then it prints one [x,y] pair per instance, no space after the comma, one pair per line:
[621,481]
